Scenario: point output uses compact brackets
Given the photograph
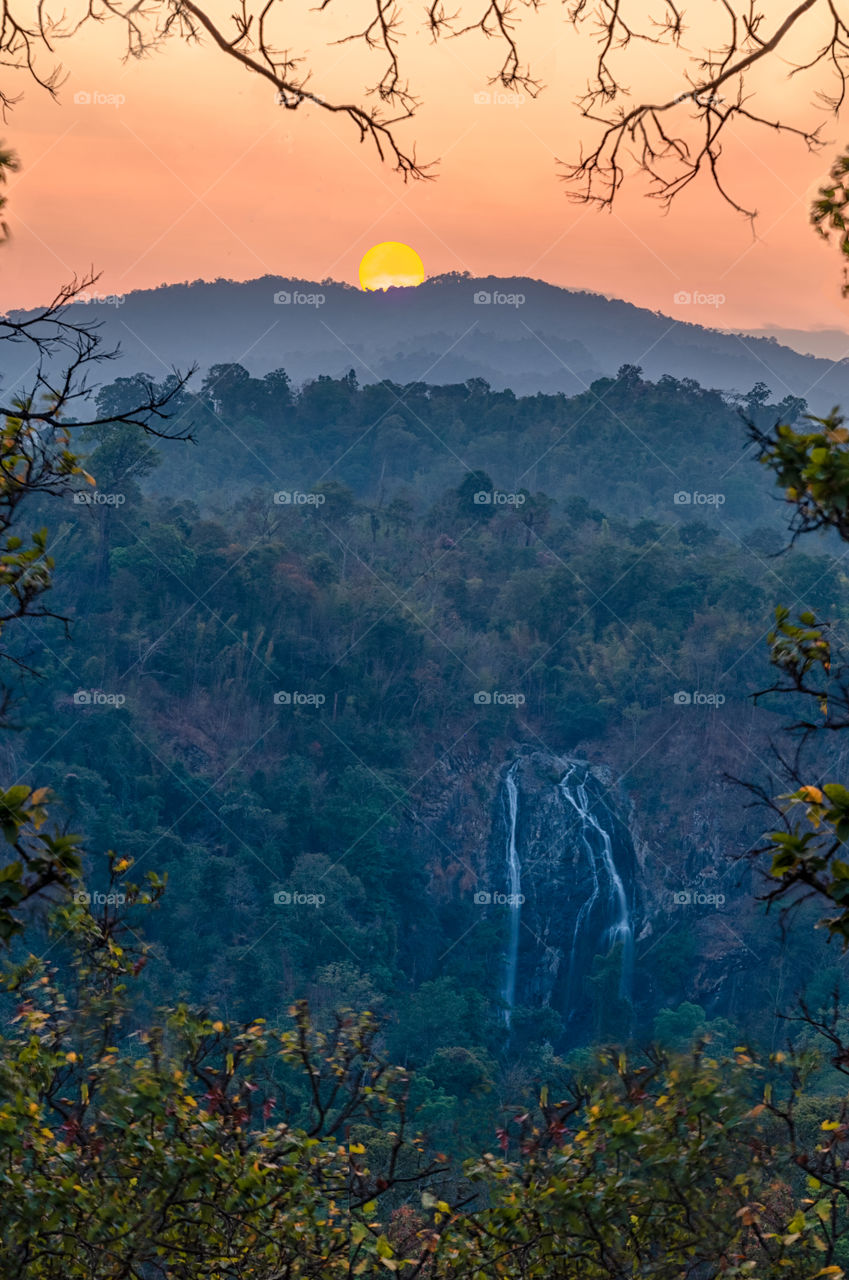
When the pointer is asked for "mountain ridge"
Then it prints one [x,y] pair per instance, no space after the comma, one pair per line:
[514,332]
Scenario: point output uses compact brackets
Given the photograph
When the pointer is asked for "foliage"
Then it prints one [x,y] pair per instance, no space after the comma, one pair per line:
[812,467]
[9,163]
[808,654]
[190,1146]
[660,1167]
[38,460]
[42,860]
[828,210]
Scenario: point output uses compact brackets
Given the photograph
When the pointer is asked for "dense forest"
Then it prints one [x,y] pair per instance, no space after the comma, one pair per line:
[383,610]
[625,446]
[315,722]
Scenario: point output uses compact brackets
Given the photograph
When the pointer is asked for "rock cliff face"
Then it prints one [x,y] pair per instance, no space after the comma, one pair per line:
[575,897]
[562,856]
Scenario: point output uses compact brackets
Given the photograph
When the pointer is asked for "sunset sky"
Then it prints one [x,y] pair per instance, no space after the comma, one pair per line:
[199,174]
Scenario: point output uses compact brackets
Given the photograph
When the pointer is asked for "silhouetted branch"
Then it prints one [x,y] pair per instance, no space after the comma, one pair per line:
[673,139]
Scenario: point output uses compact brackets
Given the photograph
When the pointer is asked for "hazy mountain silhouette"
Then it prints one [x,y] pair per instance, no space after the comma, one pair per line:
[830,344]
[554,340]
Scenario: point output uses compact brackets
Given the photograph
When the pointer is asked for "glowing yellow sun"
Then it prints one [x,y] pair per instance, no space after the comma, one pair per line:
[391,265]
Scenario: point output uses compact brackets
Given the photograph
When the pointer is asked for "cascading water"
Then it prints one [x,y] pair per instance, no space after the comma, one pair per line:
[563,860]
[604,917]
[514,877]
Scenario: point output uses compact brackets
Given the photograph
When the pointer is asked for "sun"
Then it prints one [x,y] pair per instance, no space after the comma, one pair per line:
[391,265]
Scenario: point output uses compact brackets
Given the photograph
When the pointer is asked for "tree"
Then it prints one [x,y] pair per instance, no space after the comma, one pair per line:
[191,1146]
[811,466]
[38,458]
[9,163]
[35,859]
[807,853]
[474,496]
[659,1167]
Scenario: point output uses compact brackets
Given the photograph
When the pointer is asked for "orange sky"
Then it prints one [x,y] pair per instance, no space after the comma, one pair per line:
[199,174]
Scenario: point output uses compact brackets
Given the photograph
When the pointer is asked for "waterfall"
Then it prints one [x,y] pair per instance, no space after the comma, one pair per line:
[567,875]
[604,917]
[514,875]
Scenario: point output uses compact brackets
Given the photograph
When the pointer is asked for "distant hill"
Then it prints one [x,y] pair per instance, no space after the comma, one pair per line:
[829,344]
[519,333]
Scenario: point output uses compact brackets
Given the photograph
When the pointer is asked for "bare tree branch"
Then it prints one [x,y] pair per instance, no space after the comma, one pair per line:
[673,140]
